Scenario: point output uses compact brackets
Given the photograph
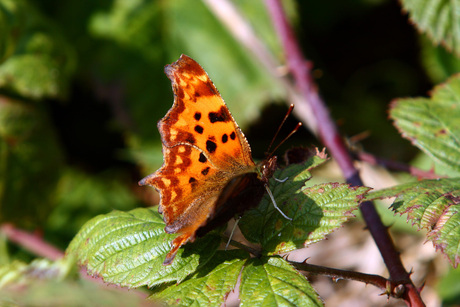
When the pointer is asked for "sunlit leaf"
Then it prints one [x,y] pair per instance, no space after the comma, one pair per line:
[438,18]
[273,282]
[128,249]
[208,286]
[315,211]
[433,125]
[433,205]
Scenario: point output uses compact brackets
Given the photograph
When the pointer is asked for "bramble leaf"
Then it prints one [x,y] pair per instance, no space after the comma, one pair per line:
[433,205]
[271,281]
[439,19]
[128,249]
[208,286]
[315,211]
[433,125]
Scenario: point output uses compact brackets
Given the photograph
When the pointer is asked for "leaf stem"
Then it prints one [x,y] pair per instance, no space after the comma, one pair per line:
[256,252]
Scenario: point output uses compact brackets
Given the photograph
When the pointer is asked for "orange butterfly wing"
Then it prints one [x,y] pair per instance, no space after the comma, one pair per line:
[206,156]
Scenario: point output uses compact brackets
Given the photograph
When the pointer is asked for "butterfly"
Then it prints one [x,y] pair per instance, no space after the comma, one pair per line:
[208,175]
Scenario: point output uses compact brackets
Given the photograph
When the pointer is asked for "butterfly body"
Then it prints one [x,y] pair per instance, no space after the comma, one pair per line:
[208,175]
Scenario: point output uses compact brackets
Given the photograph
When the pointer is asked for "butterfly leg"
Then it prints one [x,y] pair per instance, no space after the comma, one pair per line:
[275,205]
[281,180]
[233,231]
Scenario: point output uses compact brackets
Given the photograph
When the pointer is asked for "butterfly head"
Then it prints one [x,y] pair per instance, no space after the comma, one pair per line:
[267,168]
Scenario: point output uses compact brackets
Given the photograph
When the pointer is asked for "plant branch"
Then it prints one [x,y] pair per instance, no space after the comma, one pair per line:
[31,242]
[334,142]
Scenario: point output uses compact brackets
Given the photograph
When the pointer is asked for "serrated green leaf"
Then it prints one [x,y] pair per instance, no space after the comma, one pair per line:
[433,124]
[438,18]
[128,249]
[271,281]
[433,205]
[252,223]
[315,211]
[210,285]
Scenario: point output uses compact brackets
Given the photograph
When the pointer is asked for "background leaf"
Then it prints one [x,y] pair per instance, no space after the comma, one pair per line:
[28,174]
[271,281]
[128,249]
[433,205]
[438,18]
[433,125]
[33,44]
[46,283]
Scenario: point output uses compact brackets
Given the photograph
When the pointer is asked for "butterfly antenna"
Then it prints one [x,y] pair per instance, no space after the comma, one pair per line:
[289,111]
[299,124]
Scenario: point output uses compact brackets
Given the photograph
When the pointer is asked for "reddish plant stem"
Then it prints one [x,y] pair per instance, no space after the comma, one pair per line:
[396,166]
[334,142]
[31,242]
[387,286]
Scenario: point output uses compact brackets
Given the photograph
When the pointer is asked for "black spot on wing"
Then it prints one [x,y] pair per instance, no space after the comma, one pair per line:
[224,138]
[197,116]
[233,135]
[199,129]
[202,158]
[220,116]
[211,146]
[205,171]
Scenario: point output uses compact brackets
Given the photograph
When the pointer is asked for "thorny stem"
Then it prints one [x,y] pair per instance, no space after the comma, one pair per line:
[334,142]
[387,286]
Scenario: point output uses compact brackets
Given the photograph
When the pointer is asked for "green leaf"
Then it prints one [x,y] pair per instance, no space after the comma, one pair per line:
[432,205]
[271,281]
[316,211]
[433,125]
[81,196]
[128,249]
[30,163]
[36,62]
[438,18]
[210,285]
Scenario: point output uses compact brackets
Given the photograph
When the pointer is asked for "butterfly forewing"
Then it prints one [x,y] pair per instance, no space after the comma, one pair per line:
[204,149]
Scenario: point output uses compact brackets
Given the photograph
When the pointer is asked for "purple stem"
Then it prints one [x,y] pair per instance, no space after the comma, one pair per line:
[334,142]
